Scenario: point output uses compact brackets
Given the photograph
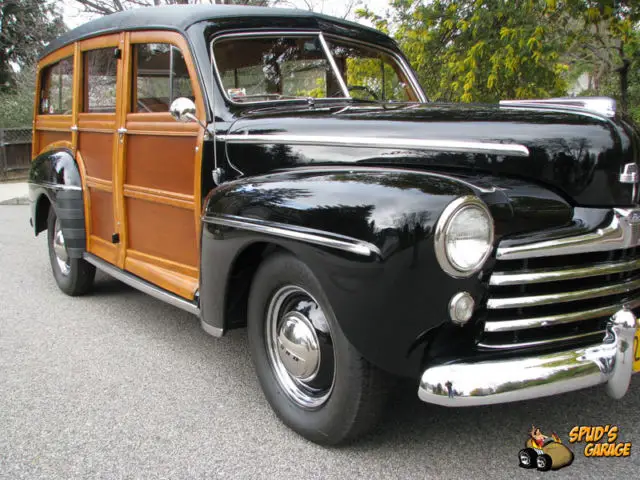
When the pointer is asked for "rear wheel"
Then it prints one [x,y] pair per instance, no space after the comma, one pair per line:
[74,276]
[312,376]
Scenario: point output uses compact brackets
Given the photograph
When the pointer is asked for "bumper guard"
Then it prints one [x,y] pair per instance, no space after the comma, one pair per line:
[501,381]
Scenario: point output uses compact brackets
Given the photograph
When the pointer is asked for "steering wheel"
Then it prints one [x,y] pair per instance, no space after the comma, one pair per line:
[362,88]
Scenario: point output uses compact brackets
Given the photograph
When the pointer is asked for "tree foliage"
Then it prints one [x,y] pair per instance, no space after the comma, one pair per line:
[487,50]
[106,7]
[603,40]
[25,27]
[479,50]
[16,105]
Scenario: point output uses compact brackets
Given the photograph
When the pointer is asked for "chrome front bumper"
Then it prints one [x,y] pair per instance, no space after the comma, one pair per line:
[501,381]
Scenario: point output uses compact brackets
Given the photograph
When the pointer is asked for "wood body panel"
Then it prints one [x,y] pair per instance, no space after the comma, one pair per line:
[46,138]
[96,151]
[140,171]
[161,162]
[162,231]
[101,214]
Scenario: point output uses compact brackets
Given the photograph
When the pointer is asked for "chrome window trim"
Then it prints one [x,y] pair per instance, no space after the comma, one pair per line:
[377,142]
[406,67]
[439,236]
[334,66]
[497,326]
[551,275]
[271,33]
[304,234]
[553,298]
[617,235]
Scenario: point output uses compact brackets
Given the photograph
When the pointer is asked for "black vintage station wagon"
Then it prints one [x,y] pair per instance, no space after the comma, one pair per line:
[284,171]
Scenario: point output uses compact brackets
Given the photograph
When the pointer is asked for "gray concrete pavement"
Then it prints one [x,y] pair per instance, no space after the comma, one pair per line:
[15,193]
[119,385]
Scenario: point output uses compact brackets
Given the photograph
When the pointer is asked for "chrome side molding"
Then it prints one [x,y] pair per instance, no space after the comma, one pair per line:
[142,285]
[622,232]
[457,146]
[602,105]
[57,186]
[510,380]
[310,235]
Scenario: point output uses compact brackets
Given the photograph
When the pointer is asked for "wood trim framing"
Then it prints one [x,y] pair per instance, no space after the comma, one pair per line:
[172,281]
[160,196]
[99,184]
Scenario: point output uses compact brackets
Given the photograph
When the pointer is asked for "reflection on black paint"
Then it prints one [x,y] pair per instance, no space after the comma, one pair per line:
[577,155]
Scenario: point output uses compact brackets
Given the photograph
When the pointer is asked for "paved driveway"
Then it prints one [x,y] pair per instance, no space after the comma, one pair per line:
[119,385]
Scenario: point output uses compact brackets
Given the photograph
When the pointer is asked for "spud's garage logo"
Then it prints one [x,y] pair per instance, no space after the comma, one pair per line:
[543,452]
[600,441]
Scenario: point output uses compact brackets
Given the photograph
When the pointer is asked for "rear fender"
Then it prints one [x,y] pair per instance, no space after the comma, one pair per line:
[54,181]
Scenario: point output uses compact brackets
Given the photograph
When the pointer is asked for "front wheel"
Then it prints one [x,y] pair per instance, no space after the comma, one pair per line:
[314,379]
[544,462]
[74,276]
[527,458]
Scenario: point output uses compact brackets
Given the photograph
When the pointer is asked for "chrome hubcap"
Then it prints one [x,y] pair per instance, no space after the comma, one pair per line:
[60,249]
[299,347]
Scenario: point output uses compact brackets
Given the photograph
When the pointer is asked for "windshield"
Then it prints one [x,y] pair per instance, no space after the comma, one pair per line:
[263,68]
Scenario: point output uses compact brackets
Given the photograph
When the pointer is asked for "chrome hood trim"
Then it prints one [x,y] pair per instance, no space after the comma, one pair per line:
[456,146]
[622,232]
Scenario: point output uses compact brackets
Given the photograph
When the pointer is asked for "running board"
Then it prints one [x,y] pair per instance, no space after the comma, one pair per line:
[142,285]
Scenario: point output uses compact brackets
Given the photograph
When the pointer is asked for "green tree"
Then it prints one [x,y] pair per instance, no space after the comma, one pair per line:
[605,42]
[25,27]
[17,105]
[480,50]
[106,7]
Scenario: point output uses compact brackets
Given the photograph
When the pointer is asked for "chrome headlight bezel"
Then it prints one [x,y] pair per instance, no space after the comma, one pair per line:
[441,230]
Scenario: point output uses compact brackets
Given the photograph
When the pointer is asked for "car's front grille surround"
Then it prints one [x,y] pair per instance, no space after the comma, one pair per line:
[549,298]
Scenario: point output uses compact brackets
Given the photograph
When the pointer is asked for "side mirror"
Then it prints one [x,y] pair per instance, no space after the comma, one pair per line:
[183,110]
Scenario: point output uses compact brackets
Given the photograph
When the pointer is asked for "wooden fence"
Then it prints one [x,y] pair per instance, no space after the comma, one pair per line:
[15,153]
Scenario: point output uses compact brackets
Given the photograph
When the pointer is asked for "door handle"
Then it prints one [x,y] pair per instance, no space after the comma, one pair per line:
[121,131]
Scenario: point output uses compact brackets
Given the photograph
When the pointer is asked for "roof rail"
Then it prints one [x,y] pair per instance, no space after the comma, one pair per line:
[603,105]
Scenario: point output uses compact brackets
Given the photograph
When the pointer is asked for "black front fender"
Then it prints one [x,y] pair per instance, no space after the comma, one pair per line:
[366,233]
[55,182]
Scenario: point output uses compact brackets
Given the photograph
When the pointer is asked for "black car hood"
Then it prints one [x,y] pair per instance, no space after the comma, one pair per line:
[577,154]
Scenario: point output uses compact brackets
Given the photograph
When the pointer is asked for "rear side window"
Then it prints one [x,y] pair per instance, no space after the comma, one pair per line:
[100,81]
[56,94]
[160,76]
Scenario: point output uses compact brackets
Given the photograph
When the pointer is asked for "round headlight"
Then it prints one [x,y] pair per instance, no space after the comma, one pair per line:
[464,236]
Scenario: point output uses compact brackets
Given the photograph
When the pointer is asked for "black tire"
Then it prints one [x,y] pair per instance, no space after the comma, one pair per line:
[544,462]
[359,390]
[77,279]
[527,458]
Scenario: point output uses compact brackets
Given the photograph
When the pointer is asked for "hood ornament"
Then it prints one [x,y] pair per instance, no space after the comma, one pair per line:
[602,105]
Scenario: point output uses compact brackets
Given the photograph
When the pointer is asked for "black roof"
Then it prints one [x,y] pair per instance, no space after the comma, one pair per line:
[179,18]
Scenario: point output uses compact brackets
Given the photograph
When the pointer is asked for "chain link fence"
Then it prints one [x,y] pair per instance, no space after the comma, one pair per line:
[15,153]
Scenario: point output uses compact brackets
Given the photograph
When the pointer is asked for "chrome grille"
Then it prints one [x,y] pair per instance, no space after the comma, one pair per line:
[541,296]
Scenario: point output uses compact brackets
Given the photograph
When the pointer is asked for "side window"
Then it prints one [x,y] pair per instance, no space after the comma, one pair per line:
[56,94]
[160,76]
[100,81]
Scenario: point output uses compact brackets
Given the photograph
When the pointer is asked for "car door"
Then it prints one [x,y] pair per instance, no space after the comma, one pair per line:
[160,163]
[97,141]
